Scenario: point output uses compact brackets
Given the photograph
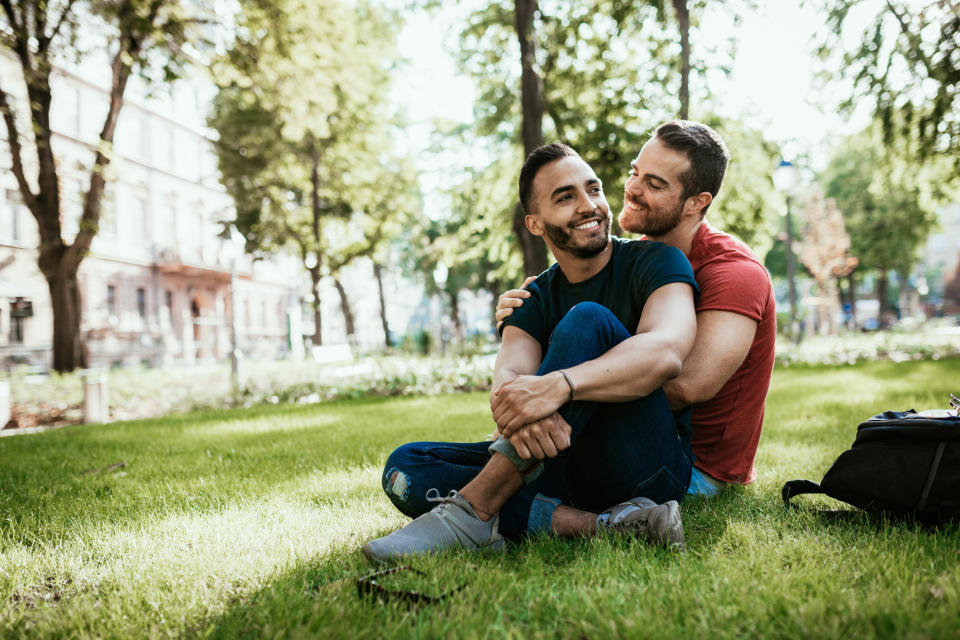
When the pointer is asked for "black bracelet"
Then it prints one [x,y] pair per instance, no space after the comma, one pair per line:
[569,383]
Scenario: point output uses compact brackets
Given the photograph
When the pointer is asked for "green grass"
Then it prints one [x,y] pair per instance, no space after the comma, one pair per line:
[247,523]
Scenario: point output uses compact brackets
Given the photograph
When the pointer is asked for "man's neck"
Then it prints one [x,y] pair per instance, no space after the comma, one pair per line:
[576,269]
[682,235]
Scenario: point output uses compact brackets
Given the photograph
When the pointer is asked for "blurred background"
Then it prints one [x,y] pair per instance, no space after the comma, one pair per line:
[186,184]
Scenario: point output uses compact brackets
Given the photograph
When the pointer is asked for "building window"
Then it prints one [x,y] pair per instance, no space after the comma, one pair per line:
[20,310]
[142,302]
[168,301]
[112,300]
[12,227]
[16,330]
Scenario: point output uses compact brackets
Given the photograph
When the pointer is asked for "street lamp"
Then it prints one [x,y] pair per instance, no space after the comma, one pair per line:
[786,178]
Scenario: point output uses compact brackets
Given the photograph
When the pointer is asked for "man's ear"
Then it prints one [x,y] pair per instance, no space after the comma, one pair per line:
[534,224]
[695,204]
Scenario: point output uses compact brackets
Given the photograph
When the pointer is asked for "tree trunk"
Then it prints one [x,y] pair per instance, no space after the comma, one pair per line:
[533,249]
[345,308]
[65,301]
[455,314]
[683,23]
[883,286]
[852,284]
[315,290]
[378,274]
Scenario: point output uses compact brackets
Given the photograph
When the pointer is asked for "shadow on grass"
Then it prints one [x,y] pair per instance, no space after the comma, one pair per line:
[322,599]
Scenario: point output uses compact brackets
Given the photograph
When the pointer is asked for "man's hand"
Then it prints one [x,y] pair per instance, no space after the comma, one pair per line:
[511,300]
[543,438]
[526,399]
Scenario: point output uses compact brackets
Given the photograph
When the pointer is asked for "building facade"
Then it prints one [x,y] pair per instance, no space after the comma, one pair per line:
[156,286]
[939,258]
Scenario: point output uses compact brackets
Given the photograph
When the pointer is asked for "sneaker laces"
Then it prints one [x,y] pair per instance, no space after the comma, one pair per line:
[449,519]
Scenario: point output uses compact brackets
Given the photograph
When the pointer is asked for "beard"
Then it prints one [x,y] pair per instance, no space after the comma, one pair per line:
[563,239]
[656,223]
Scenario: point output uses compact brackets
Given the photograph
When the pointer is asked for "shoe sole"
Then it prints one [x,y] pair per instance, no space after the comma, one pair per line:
[368,553]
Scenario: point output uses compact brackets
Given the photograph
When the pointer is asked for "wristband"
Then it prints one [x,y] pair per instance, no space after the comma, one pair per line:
[569,383]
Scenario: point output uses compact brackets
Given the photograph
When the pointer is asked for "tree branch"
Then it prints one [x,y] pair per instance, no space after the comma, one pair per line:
[13,138]
[90,219]
[912,38]
[45,40]
[11,15]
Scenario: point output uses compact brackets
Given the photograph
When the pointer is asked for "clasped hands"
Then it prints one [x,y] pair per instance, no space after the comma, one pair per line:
[525,410]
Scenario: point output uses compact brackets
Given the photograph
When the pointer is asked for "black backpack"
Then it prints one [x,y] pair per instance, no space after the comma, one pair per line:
[901,463]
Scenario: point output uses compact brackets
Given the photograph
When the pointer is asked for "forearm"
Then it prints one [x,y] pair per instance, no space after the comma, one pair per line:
[504,374]
[634,368]
[722,343]
[519,355]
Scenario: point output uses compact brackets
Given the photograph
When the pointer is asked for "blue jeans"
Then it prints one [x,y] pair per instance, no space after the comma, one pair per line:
[618,450]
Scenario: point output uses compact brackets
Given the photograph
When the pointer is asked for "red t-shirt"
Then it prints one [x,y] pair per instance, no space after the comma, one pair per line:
[726,428]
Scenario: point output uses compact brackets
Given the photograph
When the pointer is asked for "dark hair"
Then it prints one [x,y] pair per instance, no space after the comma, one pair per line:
[704,149]
[537,159]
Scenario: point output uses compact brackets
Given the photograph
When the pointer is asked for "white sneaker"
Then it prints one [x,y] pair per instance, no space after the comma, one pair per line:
[451,524]
[658,523]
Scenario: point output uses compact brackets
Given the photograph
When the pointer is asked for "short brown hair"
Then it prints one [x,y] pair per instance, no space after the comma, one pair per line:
[535,161]
[704,149]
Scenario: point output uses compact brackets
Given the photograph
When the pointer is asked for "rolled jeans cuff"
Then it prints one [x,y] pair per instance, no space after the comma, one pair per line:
[529,469]
[541,514]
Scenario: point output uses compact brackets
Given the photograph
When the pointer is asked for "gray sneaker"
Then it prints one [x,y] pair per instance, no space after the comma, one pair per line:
[658,523]
[451,524]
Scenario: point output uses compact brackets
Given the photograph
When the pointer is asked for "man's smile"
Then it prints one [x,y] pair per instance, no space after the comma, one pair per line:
[589,224]
[630,203]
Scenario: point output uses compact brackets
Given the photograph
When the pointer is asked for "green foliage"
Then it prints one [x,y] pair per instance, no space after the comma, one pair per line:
[601,93]
[908,61]
[303,143]
[610,73]
[888,201]
[747,204]
[247,523]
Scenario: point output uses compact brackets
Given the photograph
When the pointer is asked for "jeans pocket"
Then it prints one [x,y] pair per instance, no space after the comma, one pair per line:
[661,486]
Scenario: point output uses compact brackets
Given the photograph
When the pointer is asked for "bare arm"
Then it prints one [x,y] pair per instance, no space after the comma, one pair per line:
[723,341]
[641,364]
[520,355]
[634,368]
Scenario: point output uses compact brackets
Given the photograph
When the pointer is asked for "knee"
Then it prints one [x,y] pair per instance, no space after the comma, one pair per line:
[588,318]
[395,478]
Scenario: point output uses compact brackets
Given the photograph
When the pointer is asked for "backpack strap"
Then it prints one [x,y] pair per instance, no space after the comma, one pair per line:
[798,487]
[930,478]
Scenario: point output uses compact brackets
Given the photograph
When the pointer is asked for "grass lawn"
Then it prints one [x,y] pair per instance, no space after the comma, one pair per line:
[247,523]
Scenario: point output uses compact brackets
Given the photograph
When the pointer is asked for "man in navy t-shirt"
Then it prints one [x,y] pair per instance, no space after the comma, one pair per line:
[582,420]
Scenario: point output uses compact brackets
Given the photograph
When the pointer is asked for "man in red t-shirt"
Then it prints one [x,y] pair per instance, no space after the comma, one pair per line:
[726,377]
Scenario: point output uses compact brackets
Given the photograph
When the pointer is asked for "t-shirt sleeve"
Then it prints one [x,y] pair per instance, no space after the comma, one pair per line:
[663,265]
[530,316]
[740,286]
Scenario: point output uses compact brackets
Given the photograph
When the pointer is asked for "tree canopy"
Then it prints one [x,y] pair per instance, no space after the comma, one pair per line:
[907,60]
[303,144]
[889,203]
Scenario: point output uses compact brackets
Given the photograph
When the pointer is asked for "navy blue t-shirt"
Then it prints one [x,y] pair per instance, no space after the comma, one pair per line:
[636,269]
